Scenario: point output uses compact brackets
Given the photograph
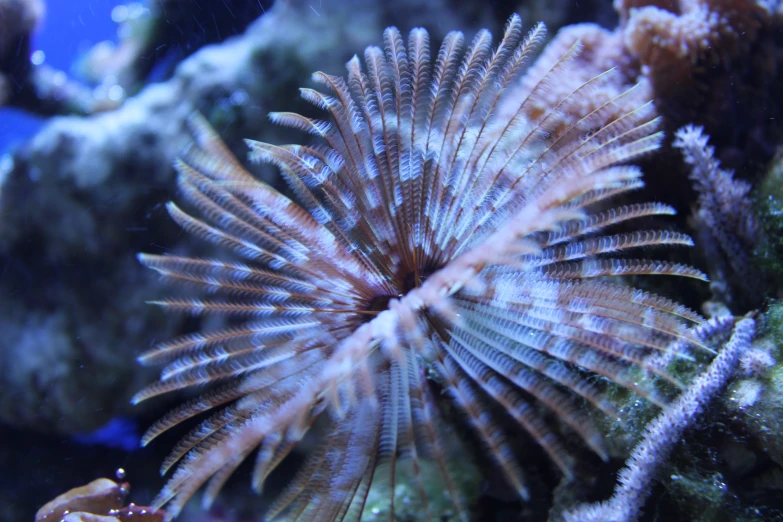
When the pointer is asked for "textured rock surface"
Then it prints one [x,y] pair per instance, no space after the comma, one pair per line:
[86,194]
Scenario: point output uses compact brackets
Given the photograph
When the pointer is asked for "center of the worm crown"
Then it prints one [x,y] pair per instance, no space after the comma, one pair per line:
[406,282]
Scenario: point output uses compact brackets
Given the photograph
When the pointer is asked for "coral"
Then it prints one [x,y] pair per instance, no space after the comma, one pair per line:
[81,198]
[670,37]
[725,216]
[756,361]
[746,393]
[706,60]
[662,434]
[43,359]
[442,238]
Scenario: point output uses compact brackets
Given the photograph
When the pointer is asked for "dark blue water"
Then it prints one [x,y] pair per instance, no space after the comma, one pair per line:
[68,30]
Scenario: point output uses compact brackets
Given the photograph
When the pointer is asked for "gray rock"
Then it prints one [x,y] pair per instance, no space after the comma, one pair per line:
[85,195]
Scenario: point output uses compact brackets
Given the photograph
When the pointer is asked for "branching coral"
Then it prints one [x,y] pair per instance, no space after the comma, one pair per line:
[666,431]
[725,217]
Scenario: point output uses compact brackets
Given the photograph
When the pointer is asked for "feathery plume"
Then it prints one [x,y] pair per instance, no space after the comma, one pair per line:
[443,241]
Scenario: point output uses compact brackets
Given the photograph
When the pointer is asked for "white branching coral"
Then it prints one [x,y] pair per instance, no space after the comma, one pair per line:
[441,242]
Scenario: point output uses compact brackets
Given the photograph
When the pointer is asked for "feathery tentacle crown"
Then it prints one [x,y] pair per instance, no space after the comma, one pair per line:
[449,233]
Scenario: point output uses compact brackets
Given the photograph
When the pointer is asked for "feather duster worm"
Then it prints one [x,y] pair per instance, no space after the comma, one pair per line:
[445,233]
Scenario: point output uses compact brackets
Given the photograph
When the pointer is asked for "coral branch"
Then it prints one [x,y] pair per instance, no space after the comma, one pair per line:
[725,216]
[663,433]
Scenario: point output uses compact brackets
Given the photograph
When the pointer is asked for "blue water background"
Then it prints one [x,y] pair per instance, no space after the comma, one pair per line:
[69,29]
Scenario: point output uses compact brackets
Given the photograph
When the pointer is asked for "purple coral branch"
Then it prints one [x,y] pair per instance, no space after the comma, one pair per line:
[725,214]
[663,433]
[721,197]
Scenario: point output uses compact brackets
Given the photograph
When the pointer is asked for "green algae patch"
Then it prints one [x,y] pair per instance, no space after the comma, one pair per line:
[769,209]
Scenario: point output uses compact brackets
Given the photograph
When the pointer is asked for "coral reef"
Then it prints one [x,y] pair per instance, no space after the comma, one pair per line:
[78,200]
[601,60]
[758,398]
[706,61]
[150,34]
